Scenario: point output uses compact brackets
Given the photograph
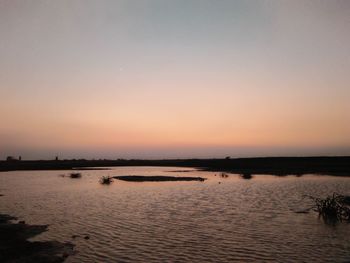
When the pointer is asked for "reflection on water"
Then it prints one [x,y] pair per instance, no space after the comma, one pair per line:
[236,220]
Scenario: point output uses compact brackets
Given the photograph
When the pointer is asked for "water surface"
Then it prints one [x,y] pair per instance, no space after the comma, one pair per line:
[219,220]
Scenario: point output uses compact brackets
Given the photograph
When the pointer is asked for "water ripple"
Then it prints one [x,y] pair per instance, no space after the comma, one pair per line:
[235,221]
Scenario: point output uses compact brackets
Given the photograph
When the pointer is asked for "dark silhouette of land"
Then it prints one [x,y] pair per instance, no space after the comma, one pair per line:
[339,166]
[141,178]
[14,246]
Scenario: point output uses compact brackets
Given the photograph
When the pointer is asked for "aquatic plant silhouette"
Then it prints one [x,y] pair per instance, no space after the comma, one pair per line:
[75,175]
[106,180]
[333,208]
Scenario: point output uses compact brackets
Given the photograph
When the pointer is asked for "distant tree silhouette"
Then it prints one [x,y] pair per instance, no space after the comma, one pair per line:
[10,158]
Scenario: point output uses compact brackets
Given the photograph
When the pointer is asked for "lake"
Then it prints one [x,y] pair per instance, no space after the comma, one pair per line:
[222,219]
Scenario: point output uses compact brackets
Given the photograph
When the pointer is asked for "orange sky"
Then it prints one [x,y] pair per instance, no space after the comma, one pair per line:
[117,79]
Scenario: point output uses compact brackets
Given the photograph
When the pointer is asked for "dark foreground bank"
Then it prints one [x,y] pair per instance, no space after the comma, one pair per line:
[15,247]
[339,166]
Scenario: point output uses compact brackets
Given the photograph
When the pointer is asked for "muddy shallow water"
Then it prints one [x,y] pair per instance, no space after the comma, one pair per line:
[219,220]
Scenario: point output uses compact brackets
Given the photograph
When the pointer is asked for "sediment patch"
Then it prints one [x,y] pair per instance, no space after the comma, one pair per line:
[141,178]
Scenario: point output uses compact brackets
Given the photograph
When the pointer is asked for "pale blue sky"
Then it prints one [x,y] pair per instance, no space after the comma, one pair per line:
[174,78]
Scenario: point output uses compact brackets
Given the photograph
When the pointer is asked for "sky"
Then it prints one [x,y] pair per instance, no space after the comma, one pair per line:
[174,79]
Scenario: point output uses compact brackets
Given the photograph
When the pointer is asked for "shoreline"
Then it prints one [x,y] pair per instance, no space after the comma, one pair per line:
[337,166]
[15,246]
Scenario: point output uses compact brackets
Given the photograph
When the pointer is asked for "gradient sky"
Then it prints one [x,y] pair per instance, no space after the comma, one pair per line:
[164,79]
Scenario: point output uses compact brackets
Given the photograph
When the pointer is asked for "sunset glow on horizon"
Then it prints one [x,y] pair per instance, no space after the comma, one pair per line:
[174,79]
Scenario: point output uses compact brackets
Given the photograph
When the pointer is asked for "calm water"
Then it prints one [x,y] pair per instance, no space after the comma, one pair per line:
[235,220]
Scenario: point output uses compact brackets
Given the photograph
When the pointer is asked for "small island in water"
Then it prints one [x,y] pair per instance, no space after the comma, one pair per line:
[142,178]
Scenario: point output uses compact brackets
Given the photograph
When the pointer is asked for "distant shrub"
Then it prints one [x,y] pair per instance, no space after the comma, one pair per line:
[246,176]
[75,175]
[224,175]
[106,180]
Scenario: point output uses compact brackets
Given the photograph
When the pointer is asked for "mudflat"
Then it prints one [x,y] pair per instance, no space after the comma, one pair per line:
[15,247]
